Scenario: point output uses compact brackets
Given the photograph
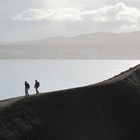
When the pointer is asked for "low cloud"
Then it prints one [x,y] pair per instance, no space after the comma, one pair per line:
[117,17]
[59,14]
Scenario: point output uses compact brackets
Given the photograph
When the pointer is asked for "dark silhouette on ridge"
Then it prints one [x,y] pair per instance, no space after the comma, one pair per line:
[36,86]
[27,87]
[108,110]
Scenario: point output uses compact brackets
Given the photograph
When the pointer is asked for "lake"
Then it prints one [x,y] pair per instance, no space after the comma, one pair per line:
[56,74]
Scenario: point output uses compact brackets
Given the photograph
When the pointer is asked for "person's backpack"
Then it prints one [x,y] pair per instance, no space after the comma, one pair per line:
[27,86]
[37,84]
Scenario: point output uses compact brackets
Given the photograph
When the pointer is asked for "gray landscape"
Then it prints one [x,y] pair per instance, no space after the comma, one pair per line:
[86,46]
[70,70]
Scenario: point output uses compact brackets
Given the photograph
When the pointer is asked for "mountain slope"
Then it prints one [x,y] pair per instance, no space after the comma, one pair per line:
[86,46]
[106,111]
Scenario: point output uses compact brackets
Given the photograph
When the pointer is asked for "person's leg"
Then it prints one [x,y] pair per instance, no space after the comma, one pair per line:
[37,92]
[26,93]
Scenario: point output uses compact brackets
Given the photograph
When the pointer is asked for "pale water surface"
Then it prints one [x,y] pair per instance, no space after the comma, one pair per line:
[56,74]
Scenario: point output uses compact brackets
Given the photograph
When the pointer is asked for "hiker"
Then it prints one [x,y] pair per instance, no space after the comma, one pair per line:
[27,87]
[36,86]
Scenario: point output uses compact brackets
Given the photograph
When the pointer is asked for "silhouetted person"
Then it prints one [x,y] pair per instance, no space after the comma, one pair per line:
[36,86]
[27,87]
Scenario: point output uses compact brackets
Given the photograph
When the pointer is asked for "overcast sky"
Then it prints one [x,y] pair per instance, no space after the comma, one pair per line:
[31,19]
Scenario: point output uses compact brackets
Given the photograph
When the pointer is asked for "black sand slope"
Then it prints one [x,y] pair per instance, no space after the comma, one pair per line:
[109,110]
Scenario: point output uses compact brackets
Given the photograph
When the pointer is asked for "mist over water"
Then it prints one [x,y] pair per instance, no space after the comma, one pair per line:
[56,74]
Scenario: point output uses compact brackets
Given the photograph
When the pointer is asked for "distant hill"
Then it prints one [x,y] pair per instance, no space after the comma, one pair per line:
[109,110]
[86,46]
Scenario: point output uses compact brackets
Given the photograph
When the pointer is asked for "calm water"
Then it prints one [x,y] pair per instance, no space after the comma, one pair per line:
[56,74]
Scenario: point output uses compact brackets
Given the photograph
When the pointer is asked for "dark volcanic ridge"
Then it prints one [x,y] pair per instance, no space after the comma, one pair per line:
[109,110]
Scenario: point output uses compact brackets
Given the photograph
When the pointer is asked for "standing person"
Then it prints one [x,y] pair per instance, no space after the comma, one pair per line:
[36,86]
[27,87]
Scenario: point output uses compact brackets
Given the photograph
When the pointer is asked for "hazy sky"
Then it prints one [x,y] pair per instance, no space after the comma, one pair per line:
[31,19]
